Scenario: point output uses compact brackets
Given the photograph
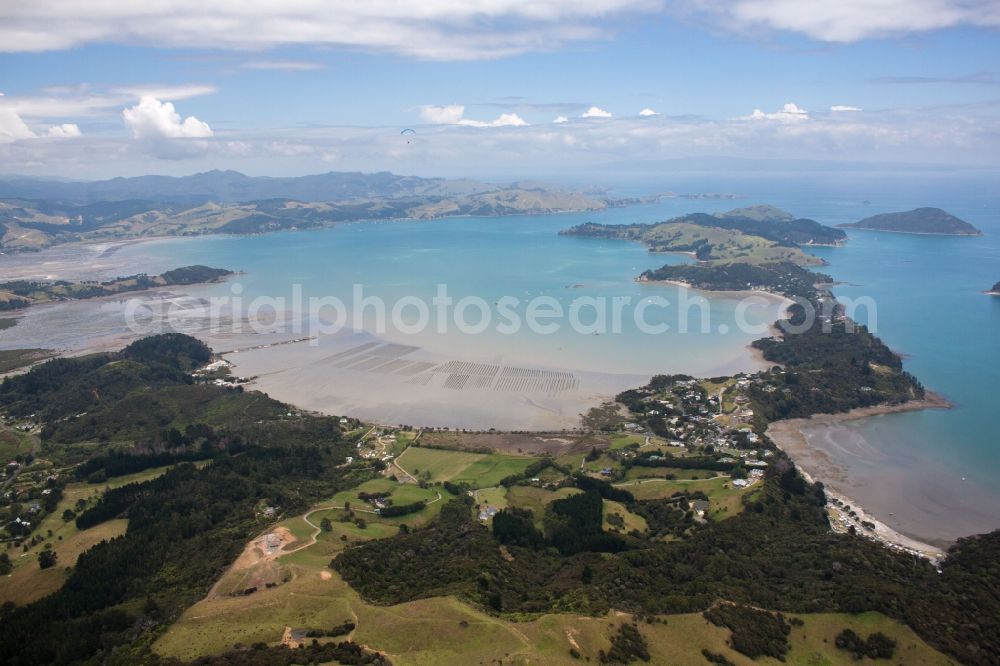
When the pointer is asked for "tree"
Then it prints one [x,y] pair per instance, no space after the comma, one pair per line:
[326,525]
[68,515]
[47,558]
[5,564]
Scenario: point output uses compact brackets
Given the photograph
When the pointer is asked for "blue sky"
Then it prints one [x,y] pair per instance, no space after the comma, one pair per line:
[89,91]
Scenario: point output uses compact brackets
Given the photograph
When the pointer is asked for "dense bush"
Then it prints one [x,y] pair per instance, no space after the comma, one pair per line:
[876,646]
[755,633]
[627,645]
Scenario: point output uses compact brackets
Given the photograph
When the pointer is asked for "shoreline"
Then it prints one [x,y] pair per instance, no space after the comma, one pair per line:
[913,233]
[728,293]
[790,436]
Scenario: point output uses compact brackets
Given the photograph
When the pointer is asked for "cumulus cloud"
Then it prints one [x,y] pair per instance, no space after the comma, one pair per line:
[12,127]
[788,113]
[438,29]
[595,112]
[561,119]
[64,131]
[841,108]
[454,114]
[153,119]
[850,20]
[645,113]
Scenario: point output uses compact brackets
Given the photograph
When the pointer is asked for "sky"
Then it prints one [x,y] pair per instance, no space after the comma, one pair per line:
[491,88]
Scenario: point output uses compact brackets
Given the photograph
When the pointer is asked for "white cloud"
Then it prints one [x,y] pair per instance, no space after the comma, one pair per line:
[454,114]
[850,20]
[153,119]
[82,100]
[64,131]
[788,113]
[443,115]
[289,65]
[12,127]
[437,29]
[647,112]
[561,119]
[168,93]
[595,112]
[963,134]
[841,108]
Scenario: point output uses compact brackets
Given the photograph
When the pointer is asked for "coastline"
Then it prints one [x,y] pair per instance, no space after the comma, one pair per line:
[912,233]
[791,436]
[724,293]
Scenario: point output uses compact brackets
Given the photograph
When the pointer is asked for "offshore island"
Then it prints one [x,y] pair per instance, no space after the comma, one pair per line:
[933,221]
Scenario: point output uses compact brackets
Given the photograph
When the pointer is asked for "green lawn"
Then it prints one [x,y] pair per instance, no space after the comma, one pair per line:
[492,497]
[479,470]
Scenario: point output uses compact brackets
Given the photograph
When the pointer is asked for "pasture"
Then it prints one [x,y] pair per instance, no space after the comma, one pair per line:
[479,470]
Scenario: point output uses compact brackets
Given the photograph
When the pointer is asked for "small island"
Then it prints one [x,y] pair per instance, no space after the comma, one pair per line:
[930,221]
[995,291]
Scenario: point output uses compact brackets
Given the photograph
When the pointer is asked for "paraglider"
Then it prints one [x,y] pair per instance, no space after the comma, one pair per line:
[408,133]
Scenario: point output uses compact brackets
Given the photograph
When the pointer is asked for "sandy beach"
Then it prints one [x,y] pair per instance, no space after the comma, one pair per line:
[913,503]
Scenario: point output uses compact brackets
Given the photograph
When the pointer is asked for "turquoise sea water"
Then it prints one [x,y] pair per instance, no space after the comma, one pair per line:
[520,257]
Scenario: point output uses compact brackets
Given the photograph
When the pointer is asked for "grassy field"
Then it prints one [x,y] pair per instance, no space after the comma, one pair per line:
[631,520]
[724,499]
[13,442]
[479,470]
[13,359]
[376,527]
[637,473]
[444,631]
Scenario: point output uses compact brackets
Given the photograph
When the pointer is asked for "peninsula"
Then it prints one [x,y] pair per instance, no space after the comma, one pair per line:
[931,221]
[995,291]
[20,294]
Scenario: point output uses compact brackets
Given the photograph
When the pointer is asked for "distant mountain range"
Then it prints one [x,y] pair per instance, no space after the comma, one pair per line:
[918,221]
[233,186]
[39,213]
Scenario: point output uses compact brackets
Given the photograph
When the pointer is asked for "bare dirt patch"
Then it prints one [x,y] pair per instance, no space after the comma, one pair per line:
[256,568]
